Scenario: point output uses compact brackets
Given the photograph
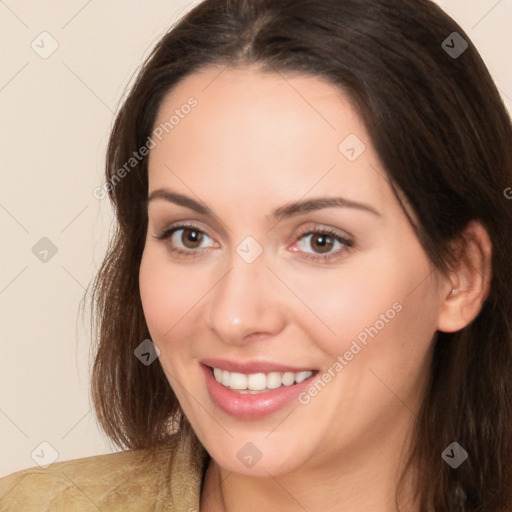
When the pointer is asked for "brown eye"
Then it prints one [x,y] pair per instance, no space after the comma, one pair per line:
[186,240]
[322,245]
[321,242]
[190,237]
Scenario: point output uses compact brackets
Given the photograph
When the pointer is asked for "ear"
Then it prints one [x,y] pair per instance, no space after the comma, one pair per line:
[470,281]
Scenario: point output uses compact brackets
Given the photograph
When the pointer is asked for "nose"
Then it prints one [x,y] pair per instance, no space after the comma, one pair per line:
[244,305]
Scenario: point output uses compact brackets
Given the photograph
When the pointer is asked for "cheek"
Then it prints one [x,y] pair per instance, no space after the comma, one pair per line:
[164,294]
[153,298]
[382,297]
[172,296]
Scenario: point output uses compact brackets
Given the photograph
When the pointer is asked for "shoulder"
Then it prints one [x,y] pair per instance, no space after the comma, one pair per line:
[129,481]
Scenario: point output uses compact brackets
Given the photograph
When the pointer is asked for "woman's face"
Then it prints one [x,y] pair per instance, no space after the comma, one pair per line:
[273,278]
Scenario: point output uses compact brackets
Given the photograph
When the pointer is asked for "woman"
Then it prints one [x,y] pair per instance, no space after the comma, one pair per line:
[306,304]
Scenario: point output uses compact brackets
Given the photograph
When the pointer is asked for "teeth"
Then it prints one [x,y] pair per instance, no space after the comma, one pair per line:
[274,380]
[288,378]
[235,380]
[299,377]
[257,382]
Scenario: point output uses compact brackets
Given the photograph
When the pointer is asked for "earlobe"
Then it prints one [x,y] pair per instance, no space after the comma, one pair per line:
[469,284]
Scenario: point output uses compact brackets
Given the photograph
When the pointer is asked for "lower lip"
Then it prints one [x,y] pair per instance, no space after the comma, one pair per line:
[251,406]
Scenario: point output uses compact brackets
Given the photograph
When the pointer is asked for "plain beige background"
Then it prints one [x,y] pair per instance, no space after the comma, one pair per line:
[56,116]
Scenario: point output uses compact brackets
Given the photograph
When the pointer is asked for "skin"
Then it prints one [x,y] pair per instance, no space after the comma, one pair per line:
[256,142]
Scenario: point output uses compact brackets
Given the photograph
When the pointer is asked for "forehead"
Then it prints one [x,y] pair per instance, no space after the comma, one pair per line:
[282,135]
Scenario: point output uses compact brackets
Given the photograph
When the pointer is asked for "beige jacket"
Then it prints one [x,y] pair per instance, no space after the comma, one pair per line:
[129,481]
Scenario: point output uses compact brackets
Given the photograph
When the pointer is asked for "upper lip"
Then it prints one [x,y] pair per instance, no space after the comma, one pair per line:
[249,367]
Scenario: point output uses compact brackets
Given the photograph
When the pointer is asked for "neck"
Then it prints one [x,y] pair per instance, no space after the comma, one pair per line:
[352,480]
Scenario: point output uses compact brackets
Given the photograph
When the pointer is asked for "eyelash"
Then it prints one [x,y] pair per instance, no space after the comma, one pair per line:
[348,244]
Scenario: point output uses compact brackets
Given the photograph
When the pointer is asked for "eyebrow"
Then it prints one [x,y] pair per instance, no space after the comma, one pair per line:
[283,212]
[179,199]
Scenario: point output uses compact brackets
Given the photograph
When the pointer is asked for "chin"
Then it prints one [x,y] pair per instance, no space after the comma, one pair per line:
[259,456]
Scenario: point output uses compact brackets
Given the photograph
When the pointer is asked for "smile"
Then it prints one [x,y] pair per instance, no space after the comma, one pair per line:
[253,390]
[258,382]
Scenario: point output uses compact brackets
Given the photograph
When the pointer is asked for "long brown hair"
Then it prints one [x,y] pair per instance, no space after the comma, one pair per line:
[444,137]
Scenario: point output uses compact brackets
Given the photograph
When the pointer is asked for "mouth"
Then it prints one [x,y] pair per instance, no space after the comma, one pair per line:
[255,383]
[253,390]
